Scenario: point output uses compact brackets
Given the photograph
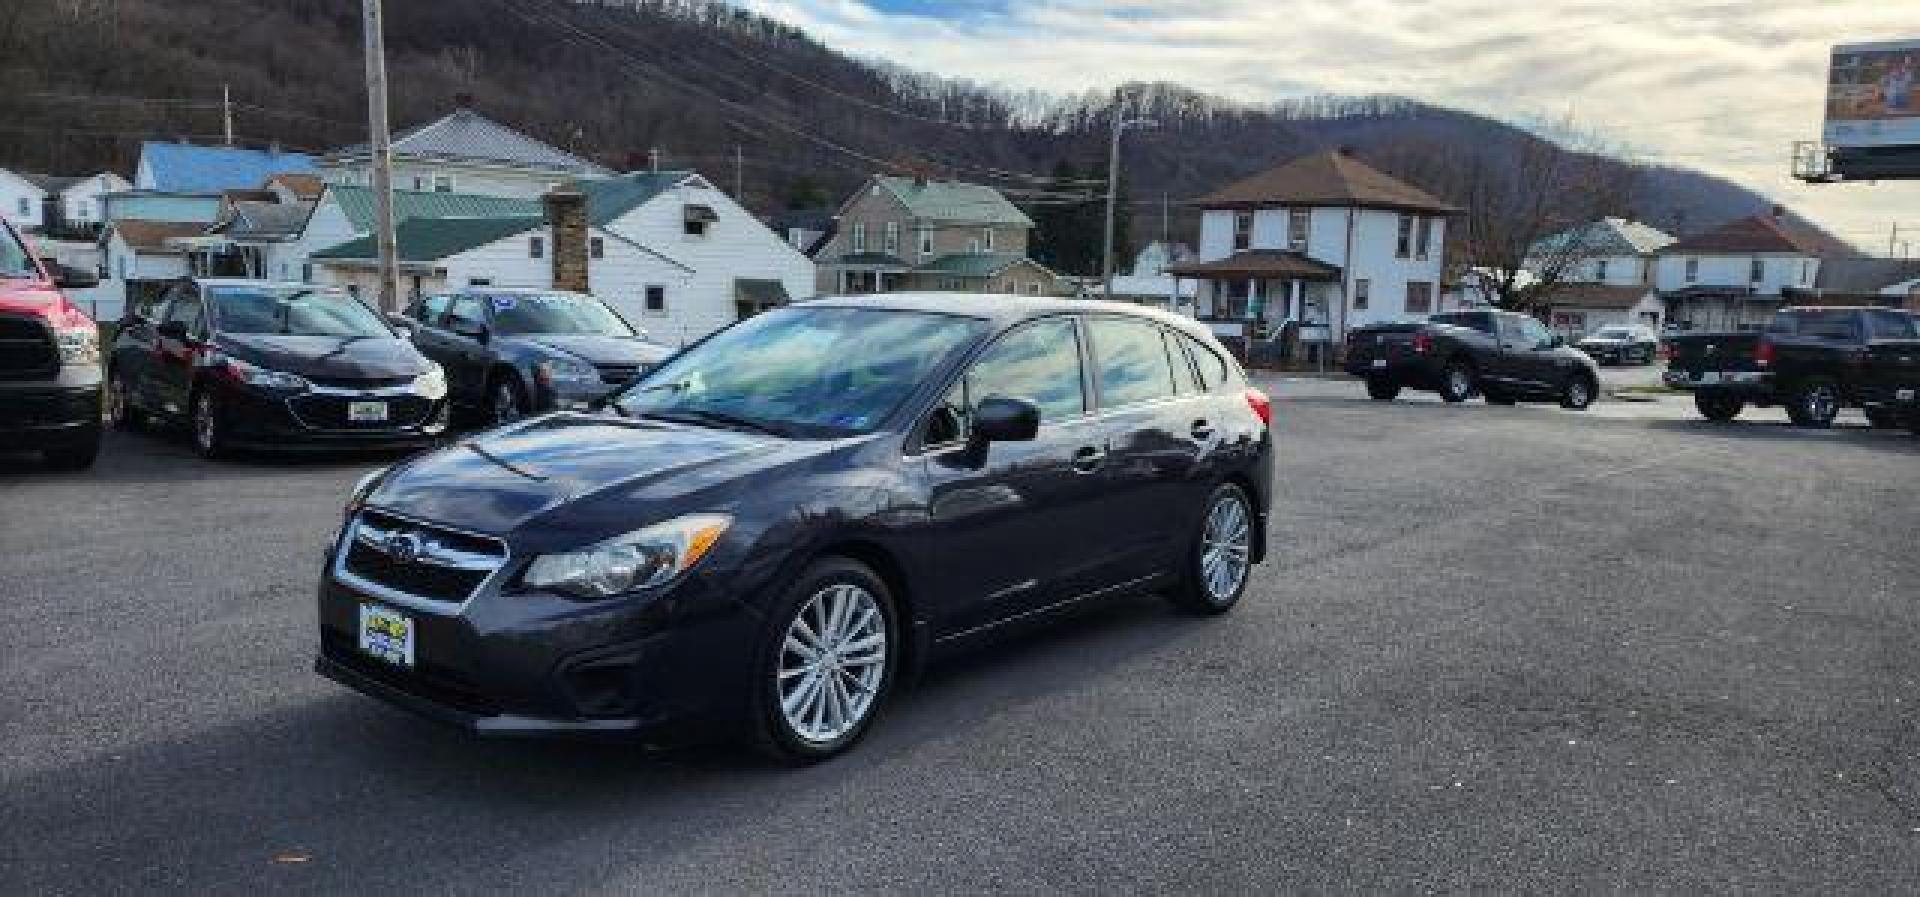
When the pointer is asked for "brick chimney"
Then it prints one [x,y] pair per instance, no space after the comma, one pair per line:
[567,216]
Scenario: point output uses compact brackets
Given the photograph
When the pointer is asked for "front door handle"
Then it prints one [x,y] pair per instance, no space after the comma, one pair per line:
[1202,430]
[1088,459]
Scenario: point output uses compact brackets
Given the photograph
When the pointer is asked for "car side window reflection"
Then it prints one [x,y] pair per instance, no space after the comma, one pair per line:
[432,309]
[1037,362]
[468,309]
[1132,363]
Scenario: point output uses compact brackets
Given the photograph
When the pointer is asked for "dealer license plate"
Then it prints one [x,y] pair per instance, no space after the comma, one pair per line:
[366,412]
[1709,377]
[386,634]
[1904,395]
[1379,363]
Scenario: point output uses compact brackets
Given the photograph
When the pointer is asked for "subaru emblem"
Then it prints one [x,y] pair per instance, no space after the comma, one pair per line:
[404,548]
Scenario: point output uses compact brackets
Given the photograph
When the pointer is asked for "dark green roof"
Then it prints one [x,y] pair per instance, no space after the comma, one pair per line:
[954,201]
[882,259]
[357,203]
[432,239]
[974,264]
[610,198]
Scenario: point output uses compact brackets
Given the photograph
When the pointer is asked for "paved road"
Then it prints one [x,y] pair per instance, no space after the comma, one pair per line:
[1499,648]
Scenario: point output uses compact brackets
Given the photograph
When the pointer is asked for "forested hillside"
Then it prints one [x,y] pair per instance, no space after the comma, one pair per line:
[86,80]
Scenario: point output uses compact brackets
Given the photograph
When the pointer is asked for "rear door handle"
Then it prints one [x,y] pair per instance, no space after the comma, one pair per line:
[1088,459]
[1202,430]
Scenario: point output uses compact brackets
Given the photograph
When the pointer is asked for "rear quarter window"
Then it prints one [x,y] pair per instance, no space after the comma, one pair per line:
[1212,368]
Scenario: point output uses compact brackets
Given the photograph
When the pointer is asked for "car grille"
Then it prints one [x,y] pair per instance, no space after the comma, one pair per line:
[435,564]
[324,412]
[360,382]
[620,373]
[27,350]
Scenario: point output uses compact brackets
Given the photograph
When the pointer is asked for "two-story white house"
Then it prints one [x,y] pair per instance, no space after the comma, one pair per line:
[1325,242]
[465,152]
[1602,275]
[1735,276]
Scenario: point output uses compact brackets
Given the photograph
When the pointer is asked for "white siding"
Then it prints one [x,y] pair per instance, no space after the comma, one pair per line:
[326,228]
[476,179]
[16,191]
[1779,270]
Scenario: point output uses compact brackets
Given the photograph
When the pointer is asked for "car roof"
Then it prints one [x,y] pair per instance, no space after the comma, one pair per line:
[1002,309]
[256,282]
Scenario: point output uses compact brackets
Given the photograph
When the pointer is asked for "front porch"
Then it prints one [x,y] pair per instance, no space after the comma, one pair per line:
[1282,306]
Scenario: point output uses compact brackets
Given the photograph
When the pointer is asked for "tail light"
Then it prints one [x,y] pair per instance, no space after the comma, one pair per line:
[1666,351]
[1763,354]
[1261,405]
[1422,343]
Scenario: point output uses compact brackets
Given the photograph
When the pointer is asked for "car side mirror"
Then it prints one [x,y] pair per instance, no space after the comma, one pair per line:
[400,322]
[1000,419]
[67,277]
[173,330]
[1556,341]
[471,329]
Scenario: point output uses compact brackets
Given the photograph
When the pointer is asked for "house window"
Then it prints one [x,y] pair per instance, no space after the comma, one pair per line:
[926,241]
[1693,270]
[120,266]
[1425,240]
[536,247]
[479,281]
[25,206]
[1600,271]
[1242,230]
[973,245]
[859,236]
[1405,246]
[1235,297]
[443,183]
[1806,273]
[1299,223]
[1419,297]
[1756,271]
[419,183]
[1033,289]
[893,238]
[656,300]
[1362,290]
[987,236]
[306,273]
[597,247]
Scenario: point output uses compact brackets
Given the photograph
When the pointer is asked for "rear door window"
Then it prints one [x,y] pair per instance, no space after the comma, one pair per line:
[1130,361]
[1212,368]
[431,309]
[1893,325]
[1184,378]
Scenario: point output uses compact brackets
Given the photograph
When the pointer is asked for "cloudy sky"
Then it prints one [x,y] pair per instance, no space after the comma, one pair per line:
[1726,86]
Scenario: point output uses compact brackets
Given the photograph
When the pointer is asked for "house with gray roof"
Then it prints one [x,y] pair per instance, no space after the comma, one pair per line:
[901,233]
[1601,274]
[465,152]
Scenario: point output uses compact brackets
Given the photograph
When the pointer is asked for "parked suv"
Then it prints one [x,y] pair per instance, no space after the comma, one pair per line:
[1504,356]
[1814,361]
[509,353]
[49,360]
[258,364]
[765,533]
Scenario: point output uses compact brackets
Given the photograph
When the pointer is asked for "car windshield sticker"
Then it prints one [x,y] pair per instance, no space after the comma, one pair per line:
[504,303]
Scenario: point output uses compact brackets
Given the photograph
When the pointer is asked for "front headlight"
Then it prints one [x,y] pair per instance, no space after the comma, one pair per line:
[560,370]
[432,384]
[79,346]
[255,375]
[364,487]
[638,560]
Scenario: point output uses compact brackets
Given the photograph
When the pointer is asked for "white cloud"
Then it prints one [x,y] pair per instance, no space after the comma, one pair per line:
[1725,86]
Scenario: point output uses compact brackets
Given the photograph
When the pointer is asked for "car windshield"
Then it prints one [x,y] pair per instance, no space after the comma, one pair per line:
[14,261]
[1613,333]
[800,371]
[294,311]
[555,313]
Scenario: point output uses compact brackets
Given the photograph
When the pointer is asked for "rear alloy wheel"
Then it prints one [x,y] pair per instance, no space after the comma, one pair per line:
[209,427]
[1221,559]
[1578,394]
[1717,406]
[1380,389]
[830,664]
[1457,382]
[507,403]
[120,413]
[1814,403]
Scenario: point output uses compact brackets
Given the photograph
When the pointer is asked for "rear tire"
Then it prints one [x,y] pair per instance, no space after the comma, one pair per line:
[1579,392]
[1718,407]
[1380,389]
[78,455]
[1457,382]
[1883,418]
[120,413]
[1814,403]
[1219,563]
[866,637]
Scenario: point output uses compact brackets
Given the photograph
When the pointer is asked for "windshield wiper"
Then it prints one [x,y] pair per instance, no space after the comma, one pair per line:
[710,417]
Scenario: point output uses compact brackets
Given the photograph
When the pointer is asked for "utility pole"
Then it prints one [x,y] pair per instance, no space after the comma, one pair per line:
[653,158]
[1120,124]
[1893,239]
[226,111]
[380,153]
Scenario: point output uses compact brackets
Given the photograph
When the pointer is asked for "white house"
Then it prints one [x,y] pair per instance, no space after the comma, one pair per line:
[140,256]
[465,152]
[22,200]
[343,213]
[1734,276]
[1605,275]
[1325,242]
[82,201]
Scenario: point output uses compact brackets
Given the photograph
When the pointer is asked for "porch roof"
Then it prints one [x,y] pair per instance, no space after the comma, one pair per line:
[1265,264]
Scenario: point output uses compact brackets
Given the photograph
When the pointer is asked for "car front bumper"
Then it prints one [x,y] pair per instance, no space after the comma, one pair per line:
[37,416]
[259,418]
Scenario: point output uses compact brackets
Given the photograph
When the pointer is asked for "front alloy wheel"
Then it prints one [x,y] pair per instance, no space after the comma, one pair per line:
[209,429]
[1815,403]
[1578,393]
[508,404]
[1456,383]
[832,663]
[120,413]
[1222,556]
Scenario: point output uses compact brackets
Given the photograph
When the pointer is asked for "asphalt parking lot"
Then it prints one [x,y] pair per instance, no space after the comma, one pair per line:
[1495,648]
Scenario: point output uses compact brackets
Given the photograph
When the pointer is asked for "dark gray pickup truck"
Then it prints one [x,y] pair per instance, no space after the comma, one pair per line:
[1813,361]
[1504,356]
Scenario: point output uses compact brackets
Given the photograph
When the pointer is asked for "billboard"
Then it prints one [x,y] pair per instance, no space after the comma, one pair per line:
[1873,95]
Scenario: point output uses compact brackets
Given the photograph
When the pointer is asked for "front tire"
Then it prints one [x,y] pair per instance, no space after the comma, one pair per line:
[1380,389]
[1814,403]
[1718,407]
[830,655]
[1578,393]
[1220,562]
[1457,382]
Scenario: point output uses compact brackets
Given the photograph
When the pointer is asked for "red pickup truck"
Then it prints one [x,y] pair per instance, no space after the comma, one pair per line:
[49,360]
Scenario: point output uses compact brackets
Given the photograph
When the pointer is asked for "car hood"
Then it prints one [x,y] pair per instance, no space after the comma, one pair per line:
[576,477]
[597,348]
[343,357]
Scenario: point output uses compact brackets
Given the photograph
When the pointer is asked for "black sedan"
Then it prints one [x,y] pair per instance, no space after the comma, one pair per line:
[763,535]
[510,353]
[1621,345]
[256,364]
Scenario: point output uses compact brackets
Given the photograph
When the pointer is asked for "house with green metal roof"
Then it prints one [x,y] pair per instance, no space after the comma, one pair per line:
[899,233]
